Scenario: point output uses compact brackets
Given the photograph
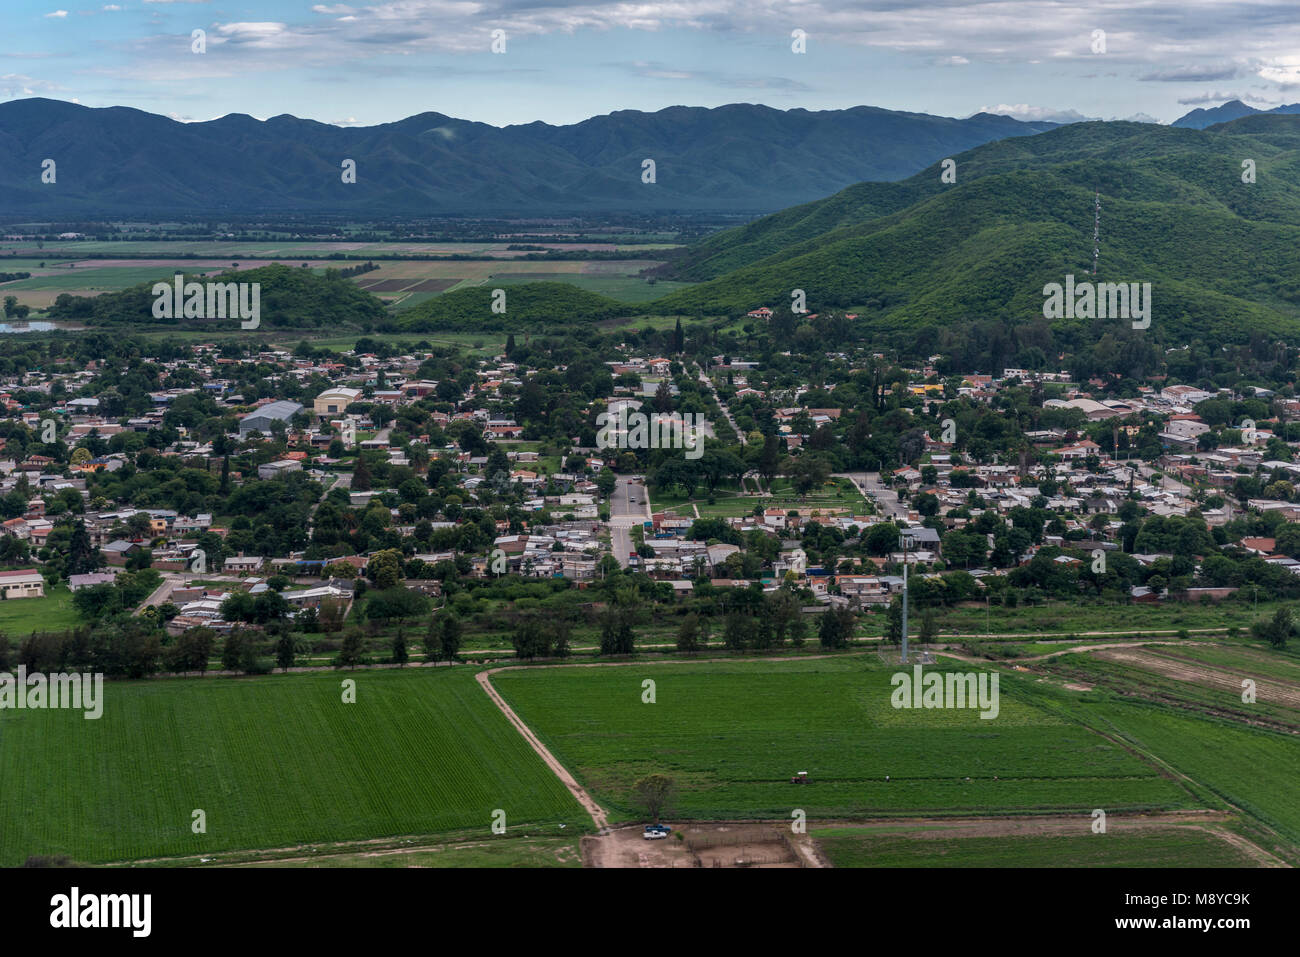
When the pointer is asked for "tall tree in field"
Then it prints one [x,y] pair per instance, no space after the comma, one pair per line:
[284,650]
[449,637]
[679,337]
[232,650]
[688,635]
[654,794]
[350,653]
[400,655]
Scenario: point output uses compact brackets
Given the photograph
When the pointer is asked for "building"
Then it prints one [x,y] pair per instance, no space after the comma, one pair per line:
[259,420]
[271,470]
[335,401]
[27,583]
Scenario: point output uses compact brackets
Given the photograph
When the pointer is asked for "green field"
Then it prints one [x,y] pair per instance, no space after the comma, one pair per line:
[273,762]
[1170,847]
[732,734]
[19,617]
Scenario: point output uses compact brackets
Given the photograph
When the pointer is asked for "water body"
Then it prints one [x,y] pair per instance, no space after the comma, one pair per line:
[19,327]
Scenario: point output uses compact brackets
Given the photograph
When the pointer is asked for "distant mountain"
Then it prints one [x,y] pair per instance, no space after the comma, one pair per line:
[738,158]
[1232,110]
[1222,256]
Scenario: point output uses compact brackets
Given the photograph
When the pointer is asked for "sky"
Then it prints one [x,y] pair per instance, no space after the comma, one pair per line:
[561,62]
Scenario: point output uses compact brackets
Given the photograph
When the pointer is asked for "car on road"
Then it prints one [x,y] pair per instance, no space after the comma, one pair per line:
[656,832]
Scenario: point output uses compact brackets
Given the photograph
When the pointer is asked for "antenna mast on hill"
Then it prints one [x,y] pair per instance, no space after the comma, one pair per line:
[1096,233]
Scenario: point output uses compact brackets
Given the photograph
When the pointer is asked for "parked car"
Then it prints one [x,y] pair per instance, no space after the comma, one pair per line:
[655,832]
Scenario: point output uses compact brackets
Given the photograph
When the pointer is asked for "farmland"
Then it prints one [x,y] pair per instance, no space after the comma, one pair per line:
[731,735]
[401,282]
[273,762]
[1172,846]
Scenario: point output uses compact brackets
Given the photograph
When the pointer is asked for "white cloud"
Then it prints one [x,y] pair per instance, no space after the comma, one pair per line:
[56,15]
[1024,111]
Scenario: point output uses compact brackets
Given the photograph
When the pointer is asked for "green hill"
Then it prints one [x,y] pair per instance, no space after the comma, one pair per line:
[526,302]
[289,297]
[1218,252]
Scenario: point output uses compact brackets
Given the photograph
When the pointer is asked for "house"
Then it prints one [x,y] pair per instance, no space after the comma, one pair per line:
[242,565]
[77,582]
[27,583]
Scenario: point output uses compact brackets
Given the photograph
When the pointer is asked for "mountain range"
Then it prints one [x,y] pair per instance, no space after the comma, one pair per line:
[1199,119]
[1222,254]
[118,161]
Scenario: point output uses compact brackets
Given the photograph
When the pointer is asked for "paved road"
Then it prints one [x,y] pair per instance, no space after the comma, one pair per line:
[726,413]
[868,483]
[163,592]
[628,506]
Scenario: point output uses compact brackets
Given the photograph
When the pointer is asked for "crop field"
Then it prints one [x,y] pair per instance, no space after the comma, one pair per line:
[732,734]
[271,249]
[272,761]
[1173,846]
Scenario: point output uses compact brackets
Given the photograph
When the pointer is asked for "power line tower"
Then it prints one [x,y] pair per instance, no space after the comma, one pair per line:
[1096,232]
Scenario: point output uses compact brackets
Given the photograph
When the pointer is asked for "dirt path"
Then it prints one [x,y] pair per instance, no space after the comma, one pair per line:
[947,653]
[586,800]
[1180,669]
[597,813]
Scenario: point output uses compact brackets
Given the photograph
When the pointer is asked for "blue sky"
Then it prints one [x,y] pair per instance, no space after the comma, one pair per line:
[361,64]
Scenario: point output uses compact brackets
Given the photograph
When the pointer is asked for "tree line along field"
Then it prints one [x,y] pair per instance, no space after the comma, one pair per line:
[732,734]
[273,762]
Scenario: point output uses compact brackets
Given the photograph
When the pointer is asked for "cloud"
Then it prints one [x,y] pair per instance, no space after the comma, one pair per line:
[1216,97]
[1024,111]
[56,15]
[1192,74]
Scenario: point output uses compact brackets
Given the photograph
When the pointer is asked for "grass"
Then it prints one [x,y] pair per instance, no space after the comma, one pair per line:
[1097,615]
[1168,847]
[492,853]
[19,617]
[273,762]
[732,734]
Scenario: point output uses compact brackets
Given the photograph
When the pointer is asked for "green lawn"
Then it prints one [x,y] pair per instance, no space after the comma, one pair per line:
[732,734]
[19,617]
[1169,847]
[273,761]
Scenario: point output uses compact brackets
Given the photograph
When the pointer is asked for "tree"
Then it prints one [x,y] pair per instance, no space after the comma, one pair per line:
[385,568]
[361,478]
[616,634]
[350,653]
[654,794]
[688,635]
[929,626]
[837,627]
[284,650]
[400,655]
[449,638]
[232,650]
[1277,631]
